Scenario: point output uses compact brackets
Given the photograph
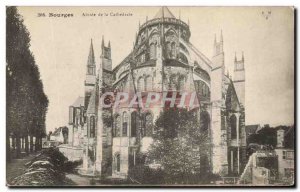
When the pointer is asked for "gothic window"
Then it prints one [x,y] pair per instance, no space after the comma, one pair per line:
[92,126]
[148,83]
[168,45]
[148,125]
[134,124]
[125,124]
[172,82]
[117,126]
[118,162]
[152,51]
[233,127]
[181,82]
[173,50]
[141,84]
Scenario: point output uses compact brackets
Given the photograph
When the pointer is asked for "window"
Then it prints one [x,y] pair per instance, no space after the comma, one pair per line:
[173,50]
[117,126]
[152,51]
[118,162]
[181,82]
[148,83]
[233,127]
[92,126]
[125,123]
[287,154]
[148,125]
[172,83]
[141,84]
[133,124]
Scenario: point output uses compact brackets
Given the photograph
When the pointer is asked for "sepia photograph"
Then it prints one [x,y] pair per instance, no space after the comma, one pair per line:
[150,96]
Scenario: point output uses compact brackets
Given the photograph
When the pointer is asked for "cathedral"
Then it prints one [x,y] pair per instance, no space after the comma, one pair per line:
[162,60]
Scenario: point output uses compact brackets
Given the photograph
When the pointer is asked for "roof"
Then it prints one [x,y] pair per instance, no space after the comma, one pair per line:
[164,12]
[92,103]
[252,128]
[78,102]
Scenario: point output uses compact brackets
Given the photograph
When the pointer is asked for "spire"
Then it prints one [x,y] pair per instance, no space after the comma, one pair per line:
[91,58]
[102,44]
[108,44]
[221,38]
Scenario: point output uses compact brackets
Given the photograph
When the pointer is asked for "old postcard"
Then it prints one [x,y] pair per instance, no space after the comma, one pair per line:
[150,96]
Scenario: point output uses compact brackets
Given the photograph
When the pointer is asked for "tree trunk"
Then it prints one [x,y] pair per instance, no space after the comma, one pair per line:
[36,143]
[18,146]
[26,145]
[40,143]
[31,143]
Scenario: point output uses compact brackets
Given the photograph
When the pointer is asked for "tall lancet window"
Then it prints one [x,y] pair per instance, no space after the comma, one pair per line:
[92,126]
[181,83]
[148,125]
[141,84]
[233,127]
[153,51]
[117,126]
[173,50]
[148,83]
[125,124]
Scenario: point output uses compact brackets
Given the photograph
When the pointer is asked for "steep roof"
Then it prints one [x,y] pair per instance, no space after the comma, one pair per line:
[164,12]
[78,102]
[92,103]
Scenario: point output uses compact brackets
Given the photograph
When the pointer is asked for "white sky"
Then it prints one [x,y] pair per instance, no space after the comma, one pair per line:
[61,46]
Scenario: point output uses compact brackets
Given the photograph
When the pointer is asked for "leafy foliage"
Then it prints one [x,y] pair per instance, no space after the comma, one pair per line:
[180,147]
[26,101]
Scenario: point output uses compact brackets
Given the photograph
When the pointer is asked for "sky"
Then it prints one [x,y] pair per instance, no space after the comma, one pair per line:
[265,35]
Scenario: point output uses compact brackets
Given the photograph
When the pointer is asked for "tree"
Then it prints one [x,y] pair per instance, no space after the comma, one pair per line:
[179,146]
[26,101]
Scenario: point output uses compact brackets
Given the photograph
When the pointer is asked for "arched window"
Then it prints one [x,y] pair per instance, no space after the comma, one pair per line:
[173,50]
[233,127]
[141,84]
[172,82]
[117,126]
[181,82]
[118,162]
[92,126]
[153,51]
[148,125]
[125,124]
[148,83]
[168,46]
[133,124]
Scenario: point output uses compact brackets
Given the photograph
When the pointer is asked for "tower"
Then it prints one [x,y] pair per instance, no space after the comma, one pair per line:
[239,79]
[219,150]
[105,57]
[90,78]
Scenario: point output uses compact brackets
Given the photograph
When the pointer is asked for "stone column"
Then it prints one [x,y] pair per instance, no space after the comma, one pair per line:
[238,139]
